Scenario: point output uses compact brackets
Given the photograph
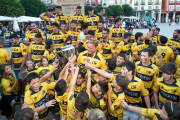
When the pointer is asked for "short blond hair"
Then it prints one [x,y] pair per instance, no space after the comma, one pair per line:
[93,41]
[96,114]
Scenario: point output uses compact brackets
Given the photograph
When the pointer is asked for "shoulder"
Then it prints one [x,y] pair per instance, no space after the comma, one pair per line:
[137,63]
[154,66]
[43,43]
[82,53]
[4,81]
[73,14]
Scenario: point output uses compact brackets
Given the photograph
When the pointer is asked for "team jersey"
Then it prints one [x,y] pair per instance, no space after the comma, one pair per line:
[36,99]
[85,44]
[51,55]
[116,110]
[117,33]
[98,34]
[30,35]
[97,103]
[48,21]
[32,70]
[154,60]
[4,56]
[75,36]
[166,54]
[158,37]
[96,60]
[136,49]
[61,18]
[151,113]
[92,22]
[175,43]
[27,32]
[177,62]
[59,39]
[167,92]
[152,40]
[78,18]
[17,52]
[37,51]
[12,80]
[42,68]
[106,48]
[6,84]
[117,69]
[26,88]
[132,40]
[79,88]
[134,91]
[71,107]
[147,74]
[123,47]
[63,102]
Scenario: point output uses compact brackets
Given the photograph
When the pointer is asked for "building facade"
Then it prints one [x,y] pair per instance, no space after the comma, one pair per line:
[170,10]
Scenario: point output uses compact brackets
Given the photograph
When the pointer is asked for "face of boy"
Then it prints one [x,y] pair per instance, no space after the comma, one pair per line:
[101,78]
[7,70]
[45,62]
[145,57]
[79,79]
[115,83]
[35,84]
[38,40]
[96,89]
[29,64]
[167,76]
[124,71]
[120,60]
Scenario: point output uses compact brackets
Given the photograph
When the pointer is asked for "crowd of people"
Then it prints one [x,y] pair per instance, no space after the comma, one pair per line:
[114,75]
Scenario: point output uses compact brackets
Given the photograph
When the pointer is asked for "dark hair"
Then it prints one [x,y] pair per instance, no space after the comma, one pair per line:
[62,62]
[148,50]
[100,21]
[38,35]
[68,39]
[74,22]
[91,32]
[55,24]
[178,31]
[82,101]
[111,64]
[42,60]
[22,81]
[59,7]
[173,110]
[90,9]
[2,70]
[60,87]
[31,76]
[107,30]
[122,81]
[29,23]
[101,9]
[169,68]
[130,66]
[163,39]
[25,114]
[1,40]
[130,28]
[80,49]
[84,26]
[34,23]
[79,7]
[29,59]
[127,34]
[62,24]
[57,74]
[158,29]
[82,74]
[117,19]
[153,48]
[122,55]
[43,72]
[103,87]
[15,36]
[138,34]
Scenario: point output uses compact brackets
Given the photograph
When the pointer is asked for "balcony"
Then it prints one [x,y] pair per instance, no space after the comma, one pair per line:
[171,2]
[99,4]
[142,3]
[136,3]
[150,3]
[88,3]
[171,9]
[93,3]
[157,3]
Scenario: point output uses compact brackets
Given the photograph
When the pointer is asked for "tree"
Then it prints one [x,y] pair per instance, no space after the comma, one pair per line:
[11,8]
[86,10]
[128,10]
[96,9]
[33,7]
[117,10]
[109,11]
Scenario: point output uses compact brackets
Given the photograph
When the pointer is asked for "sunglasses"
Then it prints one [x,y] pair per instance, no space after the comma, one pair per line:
[68,43]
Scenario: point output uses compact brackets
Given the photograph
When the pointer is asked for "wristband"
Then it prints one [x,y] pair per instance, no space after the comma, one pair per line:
[159,57]
[45,105]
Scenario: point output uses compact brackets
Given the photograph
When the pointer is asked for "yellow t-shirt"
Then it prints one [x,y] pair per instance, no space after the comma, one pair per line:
[61,18]
[78,18]
[98,34]
[30,35]
[177,61]
[123,47]
[151,113]
[51,55]
[175,43]
[42,68]
[136,49]
[79,88]
[75,36]
[117,69]
[92,22]
[132,40]
[6,84]
[4,56]
[49,22]
[152,40]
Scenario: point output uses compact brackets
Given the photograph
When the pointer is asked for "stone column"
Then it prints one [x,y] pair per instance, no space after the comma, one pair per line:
[159,17]
[167,17]
[174,15]
[138,16]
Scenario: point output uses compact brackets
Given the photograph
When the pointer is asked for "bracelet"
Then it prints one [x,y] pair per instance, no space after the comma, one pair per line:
[159,57]
[45,105]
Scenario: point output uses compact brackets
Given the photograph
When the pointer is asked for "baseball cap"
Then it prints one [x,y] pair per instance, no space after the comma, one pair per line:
[48,43]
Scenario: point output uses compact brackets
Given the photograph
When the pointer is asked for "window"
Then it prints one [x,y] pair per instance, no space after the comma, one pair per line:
[111,2]
[157,1]
[156,7]
[118,2]
[171,1]
[135,8]
[142,2]
[142,8]
[150,2]
[178,8]
[149,7]
[171,8]
[136,2]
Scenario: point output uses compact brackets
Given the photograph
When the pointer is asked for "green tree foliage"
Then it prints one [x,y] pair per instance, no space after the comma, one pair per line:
[109,11]
[128,10]
[11,8]
[117,10]
[33,7]
[96,9]
[86,10]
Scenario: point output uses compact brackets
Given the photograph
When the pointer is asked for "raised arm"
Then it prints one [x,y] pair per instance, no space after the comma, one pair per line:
[88,86]
[73,80]
[42,15]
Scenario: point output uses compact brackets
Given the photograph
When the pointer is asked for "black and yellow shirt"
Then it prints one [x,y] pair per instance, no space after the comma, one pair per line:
[154,60]
[134,91]
[123,47]
[147,74]
[151,113]
[17,52]
[92,22]
[85,44]
[158,37]
[177,62]
[106,48]
[30,35]
[6,84]
[61,18]
[32,70]
[74,36]
[36,99]
[96,60]
[59,39]
[167,92]
[4,56]
[117,33]
[78,18]
[136,49]
[48,21]
[166,54]
[175,43]
[51,55]
[117,69]
[97,103]
[12,80]
[79,88]
[116,110]
[37,51]
[98,34]
[27,32]
[132,40]
[152,40]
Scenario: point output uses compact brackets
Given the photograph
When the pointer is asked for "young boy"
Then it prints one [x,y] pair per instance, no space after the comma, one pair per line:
[134,91]
[111,64]
[166,88]
[116,94]
[119,60]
